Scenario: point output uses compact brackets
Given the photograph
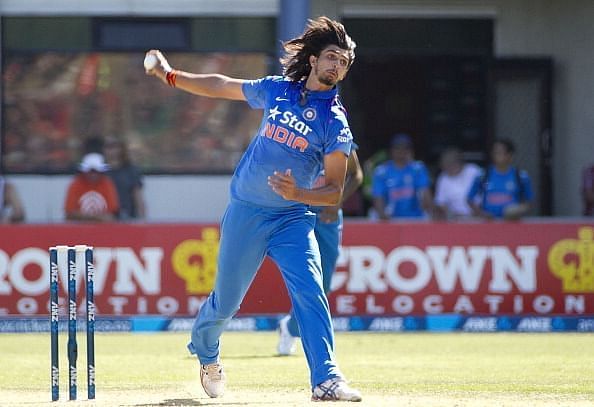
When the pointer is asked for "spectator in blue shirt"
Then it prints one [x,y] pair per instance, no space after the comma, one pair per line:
[502,191]
[400,186]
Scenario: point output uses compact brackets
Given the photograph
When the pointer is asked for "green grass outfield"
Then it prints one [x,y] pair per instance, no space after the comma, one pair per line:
[401,369]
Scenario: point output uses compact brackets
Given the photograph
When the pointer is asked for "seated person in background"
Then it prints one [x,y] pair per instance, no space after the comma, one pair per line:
[588,191]
[127,179]
[502,191]
[11,208]
[400,186]
[92,195]
[453,184]
[369,167]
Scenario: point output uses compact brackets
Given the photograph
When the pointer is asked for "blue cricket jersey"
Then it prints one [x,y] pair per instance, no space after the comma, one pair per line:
[290,136]
[500,189]
[399,187]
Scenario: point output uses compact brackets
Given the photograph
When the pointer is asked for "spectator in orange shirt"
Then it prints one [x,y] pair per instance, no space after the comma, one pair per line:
[92,196]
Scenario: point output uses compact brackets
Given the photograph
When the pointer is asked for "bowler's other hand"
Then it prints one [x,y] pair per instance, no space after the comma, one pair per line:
[284,185]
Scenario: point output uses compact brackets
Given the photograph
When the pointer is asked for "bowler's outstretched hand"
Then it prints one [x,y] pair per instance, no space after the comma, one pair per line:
[162,62]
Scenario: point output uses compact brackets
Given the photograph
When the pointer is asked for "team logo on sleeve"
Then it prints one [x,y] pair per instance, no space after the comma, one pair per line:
[345,135]
[309,114]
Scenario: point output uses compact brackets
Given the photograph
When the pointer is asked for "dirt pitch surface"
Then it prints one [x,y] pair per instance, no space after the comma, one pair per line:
[194,397]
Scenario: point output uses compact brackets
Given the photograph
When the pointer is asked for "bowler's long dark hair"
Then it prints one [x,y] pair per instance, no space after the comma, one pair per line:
[318,34]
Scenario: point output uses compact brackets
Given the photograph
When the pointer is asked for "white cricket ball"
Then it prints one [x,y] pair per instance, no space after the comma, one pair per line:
[150,61]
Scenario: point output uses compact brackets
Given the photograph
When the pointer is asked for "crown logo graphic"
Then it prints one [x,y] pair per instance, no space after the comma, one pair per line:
[195,261]
[572,260]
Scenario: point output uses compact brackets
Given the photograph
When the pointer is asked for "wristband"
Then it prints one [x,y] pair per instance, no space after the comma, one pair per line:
[171,77]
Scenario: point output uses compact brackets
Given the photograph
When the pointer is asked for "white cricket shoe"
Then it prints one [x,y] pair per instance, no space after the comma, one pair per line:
[335,389]
[286,342]
[212,378]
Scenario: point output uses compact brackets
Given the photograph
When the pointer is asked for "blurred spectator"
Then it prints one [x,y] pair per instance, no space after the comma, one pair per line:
[11,208]
[400,186]
[453,184]
[92,144]
[127,179]
[369,167]
[588,191]
[92,195]
[502,191]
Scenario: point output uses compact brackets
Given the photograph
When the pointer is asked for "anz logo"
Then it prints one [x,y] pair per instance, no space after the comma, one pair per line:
[289,130]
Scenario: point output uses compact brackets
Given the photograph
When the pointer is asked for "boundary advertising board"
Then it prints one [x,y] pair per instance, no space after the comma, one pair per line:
[384,270]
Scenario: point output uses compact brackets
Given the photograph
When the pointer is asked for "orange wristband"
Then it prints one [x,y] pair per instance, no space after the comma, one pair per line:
[171,77]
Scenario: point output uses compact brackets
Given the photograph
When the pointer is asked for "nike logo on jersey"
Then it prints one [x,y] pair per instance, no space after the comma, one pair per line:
[279,99]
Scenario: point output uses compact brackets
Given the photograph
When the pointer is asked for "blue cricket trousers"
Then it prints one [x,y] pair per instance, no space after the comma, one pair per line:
[328,236]
[248,234]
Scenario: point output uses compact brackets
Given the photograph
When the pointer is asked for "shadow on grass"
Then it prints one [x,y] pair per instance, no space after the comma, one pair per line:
[194,402]
[238,357]
[251,357]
